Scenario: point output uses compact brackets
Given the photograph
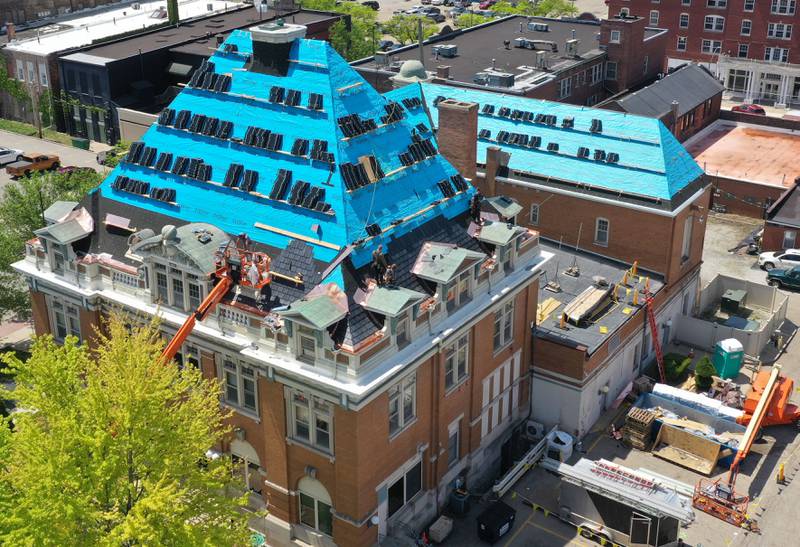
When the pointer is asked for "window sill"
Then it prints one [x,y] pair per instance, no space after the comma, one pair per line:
[501,348]
[601,244]
[310,447]
[406,426]
[246,412]
[449,390]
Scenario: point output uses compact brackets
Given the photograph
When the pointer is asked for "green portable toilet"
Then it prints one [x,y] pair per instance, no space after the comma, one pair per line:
[728,358]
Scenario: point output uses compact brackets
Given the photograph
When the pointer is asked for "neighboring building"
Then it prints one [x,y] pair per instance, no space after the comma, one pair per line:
[32,60]
[782,222]
[685,100]
[749,165]
[121,86]
[567,60]
[749,44]
[356,405]
[28,11]
[618,188]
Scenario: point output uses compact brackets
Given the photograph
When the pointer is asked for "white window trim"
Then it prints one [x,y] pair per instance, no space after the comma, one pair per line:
[534,212]
[681,39]
[749,24]
[72,319]
[681,19]
[458,377]
[715,25]
[597,222]
[399,474]
[407,385]
[504,317]
[314,414]
[616,37]
[654,17]
[565,88]
[239,375]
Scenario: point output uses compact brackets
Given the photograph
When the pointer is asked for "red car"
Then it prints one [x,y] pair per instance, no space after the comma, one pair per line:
[487,4]
[749,109]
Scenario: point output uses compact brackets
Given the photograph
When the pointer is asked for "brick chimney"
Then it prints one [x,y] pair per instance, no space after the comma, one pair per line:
[271,45]
[11,31]
[443,72]
[458,135]
[674,109]
[495,159]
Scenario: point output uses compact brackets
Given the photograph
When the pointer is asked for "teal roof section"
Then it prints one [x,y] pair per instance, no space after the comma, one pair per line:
[405,196]
[651,161]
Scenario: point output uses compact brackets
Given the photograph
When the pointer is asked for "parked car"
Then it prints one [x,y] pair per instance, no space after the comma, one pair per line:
[749,109]
[371,4]
[385,45]
[438,2]
[486,4]
[425,2]
[784,278]
[779,259]
[456,11]
[7,155]
[436,17]
[31,163]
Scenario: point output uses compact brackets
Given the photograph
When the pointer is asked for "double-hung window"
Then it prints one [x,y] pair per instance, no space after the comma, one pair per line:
[714,23]
[783,7]
[306,344]
[402,403]
[747,27]
[779,54]
[312,421]
[716,3]
[681,46]
[533,216]
[565,88]
[744,50]
[683,20]
[749,5]
[66,321]
[711,46]
[453,442]
[611,70]
[456,362]
[503,325]
[240,385]
[597,75]
[403,489]
[654,17]
[601,231]
[781,31]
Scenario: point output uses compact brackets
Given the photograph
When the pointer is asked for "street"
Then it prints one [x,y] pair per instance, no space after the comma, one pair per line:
[68,154]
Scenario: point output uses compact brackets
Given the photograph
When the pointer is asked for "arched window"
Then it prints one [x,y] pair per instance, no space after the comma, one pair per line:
[315,505]
[246,464]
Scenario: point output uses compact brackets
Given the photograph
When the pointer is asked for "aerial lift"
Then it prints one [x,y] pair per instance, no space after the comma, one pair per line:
[235,265]
[719,498]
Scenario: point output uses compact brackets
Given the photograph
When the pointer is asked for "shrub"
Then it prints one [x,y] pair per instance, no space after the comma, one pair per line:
[675,366]
[703,372]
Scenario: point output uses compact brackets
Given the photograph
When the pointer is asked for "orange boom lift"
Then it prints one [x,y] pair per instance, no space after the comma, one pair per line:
[235,265]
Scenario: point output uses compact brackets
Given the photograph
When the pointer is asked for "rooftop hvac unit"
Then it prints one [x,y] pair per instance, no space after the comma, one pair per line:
[524,43]
[539,27]
[381,58]
[572,47]
[541,59]
[501,79]
[481,78]
[446,50]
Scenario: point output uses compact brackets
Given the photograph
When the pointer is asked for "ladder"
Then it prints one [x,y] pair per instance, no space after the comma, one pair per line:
[651,318]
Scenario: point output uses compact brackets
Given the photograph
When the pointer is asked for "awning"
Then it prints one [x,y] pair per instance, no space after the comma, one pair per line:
[179,69]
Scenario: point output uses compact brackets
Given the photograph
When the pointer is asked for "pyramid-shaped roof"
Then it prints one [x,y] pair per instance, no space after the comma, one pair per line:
[370,175]
[649,161]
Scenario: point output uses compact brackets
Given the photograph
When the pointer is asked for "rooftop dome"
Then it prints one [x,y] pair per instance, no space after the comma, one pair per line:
[413,69]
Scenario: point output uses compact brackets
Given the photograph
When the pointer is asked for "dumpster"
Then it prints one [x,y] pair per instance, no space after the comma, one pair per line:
[728,358]
[496,521]
[79,142]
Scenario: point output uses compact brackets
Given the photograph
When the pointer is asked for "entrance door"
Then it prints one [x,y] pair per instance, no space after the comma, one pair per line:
[640,529]
[770,90]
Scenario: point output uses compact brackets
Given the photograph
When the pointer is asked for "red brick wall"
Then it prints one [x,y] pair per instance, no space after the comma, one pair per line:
[631,51]
[744,198]
[40,313]
[772,240]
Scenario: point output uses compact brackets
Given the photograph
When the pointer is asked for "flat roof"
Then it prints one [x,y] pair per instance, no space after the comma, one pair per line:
[746,152]
[481,47]
[608,319]
[83,31]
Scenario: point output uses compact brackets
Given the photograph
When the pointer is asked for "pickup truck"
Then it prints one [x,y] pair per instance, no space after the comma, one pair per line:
[31,163]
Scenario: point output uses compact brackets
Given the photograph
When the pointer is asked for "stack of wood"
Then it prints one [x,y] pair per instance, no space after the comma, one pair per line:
[638,428]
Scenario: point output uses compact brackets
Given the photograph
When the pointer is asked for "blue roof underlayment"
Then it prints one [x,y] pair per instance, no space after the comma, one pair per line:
[314,68]
[651,160]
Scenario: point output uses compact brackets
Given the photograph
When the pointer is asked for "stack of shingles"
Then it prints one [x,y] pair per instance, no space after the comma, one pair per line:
[638,428]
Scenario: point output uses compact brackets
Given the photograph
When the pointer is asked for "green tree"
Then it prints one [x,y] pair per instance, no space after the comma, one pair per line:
[110,448]
[555,8]
[467,20]
[405,28]
[22,207]
[356,42]
[46,108]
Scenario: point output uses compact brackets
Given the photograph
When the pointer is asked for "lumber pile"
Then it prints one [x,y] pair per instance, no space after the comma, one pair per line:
[638,428]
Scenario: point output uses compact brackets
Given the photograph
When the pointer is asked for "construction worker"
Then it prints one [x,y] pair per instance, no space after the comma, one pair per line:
[378,264]
[388,277]
[475,206]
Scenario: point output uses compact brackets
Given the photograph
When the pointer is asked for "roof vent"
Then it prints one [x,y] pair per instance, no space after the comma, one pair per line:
[612,157]
[572,47]
[539,27]
[597,126]
[599,155]
[583,152]
[552,147]
[541,59]
[568,122]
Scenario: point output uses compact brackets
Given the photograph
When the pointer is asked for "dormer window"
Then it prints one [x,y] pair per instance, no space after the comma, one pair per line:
[306,344]
[402,330]
[459,292]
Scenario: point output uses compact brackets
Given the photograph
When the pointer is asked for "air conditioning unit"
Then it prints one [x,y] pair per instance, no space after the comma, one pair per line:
[446,50]
[481,78]
[572,47]
[501,79]
[539,27]
[534,430]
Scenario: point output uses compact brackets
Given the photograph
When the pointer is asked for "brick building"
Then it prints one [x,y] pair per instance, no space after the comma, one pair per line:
[575,61]
[782,222]
[686,100]
[749,44]
[15,11]
[356,404]
[604,190]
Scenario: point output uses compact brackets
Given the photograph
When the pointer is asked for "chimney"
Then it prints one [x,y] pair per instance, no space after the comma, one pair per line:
[443,72]
[495,159]
[11,31]
[458,135]
[172,12]
[674,109]
[271,45]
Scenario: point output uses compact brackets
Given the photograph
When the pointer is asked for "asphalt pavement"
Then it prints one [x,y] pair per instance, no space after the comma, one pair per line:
[67,154]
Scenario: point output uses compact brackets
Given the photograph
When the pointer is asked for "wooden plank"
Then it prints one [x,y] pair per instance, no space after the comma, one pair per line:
[585,302]
[546,308]
[686,449]
[293,235]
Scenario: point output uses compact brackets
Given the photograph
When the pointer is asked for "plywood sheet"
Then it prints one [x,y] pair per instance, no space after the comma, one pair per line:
[687,450]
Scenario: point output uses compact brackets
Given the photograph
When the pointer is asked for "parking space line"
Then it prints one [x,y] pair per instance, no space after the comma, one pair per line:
[519,530]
